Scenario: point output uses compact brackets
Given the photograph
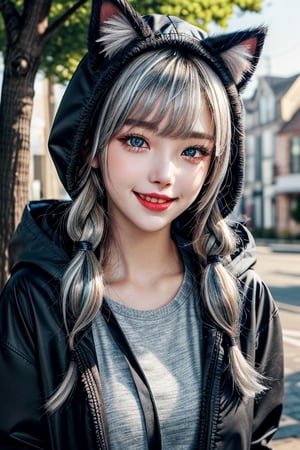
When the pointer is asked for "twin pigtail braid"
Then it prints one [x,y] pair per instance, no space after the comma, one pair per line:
[82,285]
[221,299]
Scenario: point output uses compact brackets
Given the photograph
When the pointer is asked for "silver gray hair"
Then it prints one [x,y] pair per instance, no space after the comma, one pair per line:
[172,83]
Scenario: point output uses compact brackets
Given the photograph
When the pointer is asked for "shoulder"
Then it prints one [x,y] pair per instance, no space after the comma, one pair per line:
[30,285]
[258,306]
[257,297]
[28,290]
[40,238]
[28,307]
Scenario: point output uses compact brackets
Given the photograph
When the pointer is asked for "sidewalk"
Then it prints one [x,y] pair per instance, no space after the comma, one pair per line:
[286,444]
[288,435]
[279,264]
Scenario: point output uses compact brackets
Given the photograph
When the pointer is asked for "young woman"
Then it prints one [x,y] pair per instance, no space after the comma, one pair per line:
[133,317]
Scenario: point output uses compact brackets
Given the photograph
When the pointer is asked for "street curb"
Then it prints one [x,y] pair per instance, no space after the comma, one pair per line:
[279,247]
[285,248]
[288,307]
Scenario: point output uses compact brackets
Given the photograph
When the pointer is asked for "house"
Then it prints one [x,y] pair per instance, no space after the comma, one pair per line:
[272,134]
[287,175]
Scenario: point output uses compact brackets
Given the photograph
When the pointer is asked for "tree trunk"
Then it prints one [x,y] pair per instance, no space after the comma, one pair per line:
[27,33]
[15,118]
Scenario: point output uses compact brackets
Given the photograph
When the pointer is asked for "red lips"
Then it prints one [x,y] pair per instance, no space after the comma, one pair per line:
[154,201]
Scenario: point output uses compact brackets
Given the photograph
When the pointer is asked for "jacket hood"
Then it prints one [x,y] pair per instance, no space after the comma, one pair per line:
[37,241]
[74,123]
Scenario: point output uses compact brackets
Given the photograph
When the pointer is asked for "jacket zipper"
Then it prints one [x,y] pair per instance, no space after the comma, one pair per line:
[211,395]
[94,401]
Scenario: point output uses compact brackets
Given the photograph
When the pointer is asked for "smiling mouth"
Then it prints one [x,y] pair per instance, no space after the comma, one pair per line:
[151,199]
[155,202]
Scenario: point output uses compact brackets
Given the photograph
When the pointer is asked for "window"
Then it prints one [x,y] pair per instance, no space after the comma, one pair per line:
[258,159]
[268,144]
[295,208]
[266,108]
[295,154]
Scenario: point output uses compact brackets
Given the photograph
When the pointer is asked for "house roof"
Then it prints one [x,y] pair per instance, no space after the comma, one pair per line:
[292,126]
[279,86]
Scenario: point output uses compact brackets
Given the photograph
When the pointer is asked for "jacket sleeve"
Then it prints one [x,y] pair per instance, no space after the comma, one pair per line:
[268,358]
[21,404]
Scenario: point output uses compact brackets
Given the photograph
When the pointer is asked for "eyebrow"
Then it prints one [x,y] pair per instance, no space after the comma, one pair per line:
[143,124]
[153,126]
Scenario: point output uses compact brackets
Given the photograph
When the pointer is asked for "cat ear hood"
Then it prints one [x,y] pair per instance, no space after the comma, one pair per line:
[135,35]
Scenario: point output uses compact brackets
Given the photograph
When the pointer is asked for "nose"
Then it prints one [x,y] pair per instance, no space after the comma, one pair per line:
[162,171]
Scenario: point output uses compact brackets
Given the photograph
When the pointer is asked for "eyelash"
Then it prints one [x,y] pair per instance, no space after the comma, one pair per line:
[201,152]
[125,141]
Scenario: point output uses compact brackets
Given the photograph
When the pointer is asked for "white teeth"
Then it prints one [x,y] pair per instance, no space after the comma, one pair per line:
[152,199]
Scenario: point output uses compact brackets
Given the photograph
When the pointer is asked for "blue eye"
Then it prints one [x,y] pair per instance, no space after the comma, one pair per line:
[195,153]
[191,152]
[136,141]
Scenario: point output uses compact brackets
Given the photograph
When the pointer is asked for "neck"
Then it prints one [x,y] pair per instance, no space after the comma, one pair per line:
[143,271]
[140,256]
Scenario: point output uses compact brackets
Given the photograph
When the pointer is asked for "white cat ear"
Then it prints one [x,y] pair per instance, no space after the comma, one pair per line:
[240,52]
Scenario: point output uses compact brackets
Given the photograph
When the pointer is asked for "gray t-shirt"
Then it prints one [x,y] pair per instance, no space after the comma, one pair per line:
[167,343]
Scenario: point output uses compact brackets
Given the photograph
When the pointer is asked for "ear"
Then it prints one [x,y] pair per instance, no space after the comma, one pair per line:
[96,162]
[113,24]
[240,52]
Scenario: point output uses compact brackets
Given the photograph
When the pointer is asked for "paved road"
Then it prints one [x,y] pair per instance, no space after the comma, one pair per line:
[281,272]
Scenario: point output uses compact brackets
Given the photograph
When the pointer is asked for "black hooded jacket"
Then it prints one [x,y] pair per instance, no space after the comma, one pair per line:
[34,354]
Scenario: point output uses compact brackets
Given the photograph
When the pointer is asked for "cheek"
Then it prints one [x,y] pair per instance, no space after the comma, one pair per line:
[197,179]
[121,169]
[195,189]
[115,164]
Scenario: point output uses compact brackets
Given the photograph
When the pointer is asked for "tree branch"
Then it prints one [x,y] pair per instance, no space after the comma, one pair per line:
[11,19]
[51,30]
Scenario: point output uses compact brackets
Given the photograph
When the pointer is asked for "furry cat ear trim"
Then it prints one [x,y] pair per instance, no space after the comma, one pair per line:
[116,33]
[120,12]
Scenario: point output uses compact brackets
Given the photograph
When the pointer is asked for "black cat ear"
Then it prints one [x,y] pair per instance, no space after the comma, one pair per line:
[240,52]
[113,24]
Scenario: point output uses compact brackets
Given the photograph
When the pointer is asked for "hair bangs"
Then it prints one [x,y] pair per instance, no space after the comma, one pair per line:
[162,84]
[172,90]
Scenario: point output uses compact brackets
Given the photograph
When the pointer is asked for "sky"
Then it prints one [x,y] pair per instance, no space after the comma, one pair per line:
[281,54]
